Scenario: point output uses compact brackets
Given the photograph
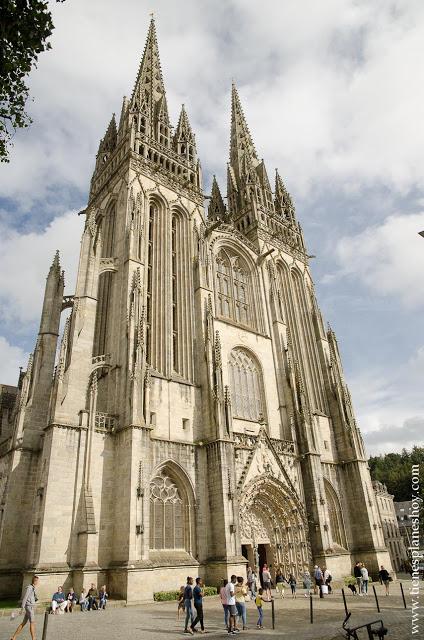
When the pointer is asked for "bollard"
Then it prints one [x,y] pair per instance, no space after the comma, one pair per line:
[344,601]
[311,608]
[46,622]
[376,599]
[272,613]
[403,595]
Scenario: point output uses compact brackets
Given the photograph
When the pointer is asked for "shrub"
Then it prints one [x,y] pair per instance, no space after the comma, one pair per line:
[352,580]
[165,596]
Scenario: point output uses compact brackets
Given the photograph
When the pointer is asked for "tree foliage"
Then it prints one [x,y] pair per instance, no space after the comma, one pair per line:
[394,470]
[25,26]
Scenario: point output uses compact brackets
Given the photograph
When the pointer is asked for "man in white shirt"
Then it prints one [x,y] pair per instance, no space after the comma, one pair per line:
[231,602]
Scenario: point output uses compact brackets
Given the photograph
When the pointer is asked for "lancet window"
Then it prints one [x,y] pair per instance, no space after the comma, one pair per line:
[234,289]
[246,384]
[169,517]
[104,297]
[335,516]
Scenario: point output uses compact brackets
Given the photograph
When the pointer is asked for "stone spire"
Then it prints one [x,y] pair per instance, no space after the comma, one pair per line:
[217,209]
[108,142]
[242,150]
[283,203]
[184,139]
[148,97]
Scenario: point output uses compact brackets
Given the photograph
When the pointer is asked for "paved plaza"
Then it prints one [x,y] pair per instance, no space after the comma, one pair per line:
[157,621]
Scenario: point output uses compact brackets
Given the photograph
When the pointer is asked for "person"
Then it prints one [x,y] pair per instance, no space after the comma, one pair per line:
[223,596]
[358,575]
[59,601]
[71,599]
[103,597]
[198,605]
[259,605]
[180,606]
[365,578]
[280,582]
[307,582]
[383,574]
[188,598]
[249,578]
[253,585]
[292,583]
[231,600]
[318,580]
[83,600]
[93,596]
[28,604]
[327,577]
[266,580]
[241,593]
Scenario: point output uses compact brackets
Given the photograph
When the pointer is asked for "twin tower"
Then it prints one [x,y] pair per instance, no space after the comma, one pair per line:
[195,416]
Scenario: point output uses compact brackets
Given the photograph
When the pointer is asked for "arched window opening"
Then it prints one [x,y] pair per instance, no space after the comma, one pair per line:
[152,212]
[104,295]
[246,384]
[335,516]
[234,289]
[143,125]
[175,354]
[169,517]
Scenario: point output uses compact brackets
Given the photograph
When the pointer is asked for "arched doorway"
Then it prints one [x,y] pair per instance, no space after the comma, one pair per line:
[273,527]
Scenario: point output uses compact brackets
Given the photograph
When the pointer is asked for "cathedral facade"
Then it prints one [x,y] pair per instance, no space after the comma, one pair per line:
[195,415]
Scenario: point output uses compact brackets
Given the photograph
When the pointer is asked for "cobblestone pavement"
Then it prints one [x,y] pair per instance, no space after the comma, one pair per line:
[157,621]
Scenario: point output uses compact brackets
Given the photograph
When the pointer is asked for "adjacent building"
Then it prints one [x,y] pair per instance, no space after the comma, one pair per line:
[391,527]
[197,416]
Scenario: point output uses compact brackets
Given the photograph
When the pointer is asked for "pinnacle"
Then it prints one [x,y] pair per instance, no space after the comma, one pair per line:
[241,140]
[55,266]
[149,78]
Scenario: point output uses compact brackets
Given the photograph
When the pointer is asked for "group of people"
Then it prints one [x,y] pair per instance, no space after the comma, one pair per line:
[60,603]
[234,594]
[361,574]
[88,600]
[192,594]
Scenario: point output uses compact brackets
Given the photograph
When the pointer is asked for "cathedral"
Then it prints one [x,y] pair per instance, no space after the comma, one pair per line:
[192,417]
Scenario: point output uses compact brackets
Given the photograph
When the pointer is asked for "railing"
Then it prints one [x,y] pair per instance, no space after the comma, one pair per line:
[246,441]
[104,422]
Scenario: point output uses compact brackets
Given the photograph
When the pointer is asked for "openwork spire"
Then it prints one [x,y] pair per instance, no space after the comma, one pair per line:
[184,138]
[242,149]
[217,209]
[148,96]
[283,202]
[108,142]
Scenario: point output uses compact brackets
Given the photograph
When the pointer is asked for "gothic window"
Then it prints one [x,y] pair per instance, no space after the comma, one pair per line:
[335,515]
[152,211]
[234,294]
[246,384]
[175,362]
[104,296]
[168,514]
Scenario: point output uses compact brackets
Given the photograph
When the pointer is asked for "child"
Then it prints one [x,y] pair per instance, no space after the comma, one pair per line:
[180,606]
[259,604]
[83,601]
[103,596]
[292,583]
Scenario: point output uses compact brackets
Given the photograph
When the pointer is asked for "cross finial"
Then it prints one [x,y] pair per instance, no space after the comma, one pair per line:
[152,15]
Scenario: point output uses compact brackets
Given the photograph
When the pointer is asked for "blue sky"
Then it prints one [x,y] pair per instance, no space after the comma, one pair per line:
[333,98]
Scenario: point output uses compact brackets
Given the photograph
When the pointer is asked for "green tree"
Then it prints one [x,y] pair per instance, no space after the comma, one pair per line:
[25,26]
[394,470]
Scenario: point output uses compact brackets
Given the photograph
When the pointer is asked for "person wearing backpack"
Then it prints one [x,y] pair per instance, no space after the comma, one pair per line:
[188,599]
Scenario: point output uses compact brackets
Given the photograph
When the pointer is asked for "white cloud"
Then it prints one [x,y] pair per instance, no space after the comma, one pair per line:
[388,258]
[330,88]
[11,358]
[25,259]
[389,404]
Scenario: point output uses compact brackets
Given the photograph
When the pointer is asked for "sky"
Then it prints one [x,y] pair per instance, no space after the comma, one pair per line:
[333,94]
